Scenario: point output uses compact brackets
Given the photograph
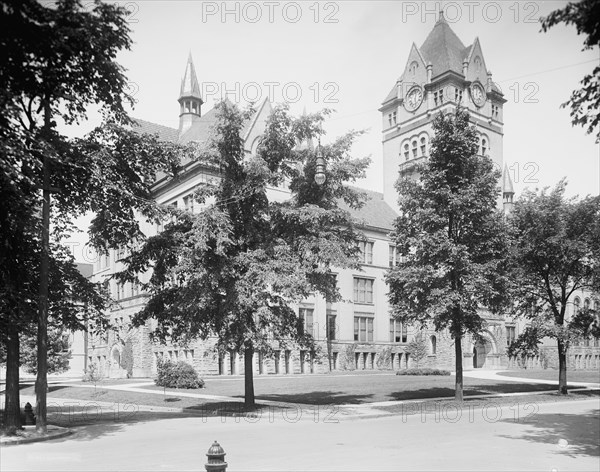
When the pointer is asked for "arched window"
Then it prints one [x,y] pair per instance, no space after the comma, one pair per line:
[423,146]
[414,148]
[433,345]
[576,305]
[406,152]
[586,304]
[483,147]
[412,69]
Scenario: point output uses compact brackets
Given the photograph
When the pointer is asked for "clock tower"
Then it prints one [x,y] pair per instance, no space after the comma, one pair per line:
[438,76]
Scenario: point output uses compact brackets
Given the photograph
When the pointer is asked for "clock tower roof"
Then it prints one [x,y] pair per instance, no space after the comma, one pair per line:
[443,49]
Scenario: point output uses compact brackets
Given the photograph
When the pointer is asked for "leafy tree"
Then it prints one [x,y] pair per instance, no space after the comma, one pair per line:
[417,348]
[556,252]
[57,60]
[584,102]
[59,351]
[237,269]
[451,236]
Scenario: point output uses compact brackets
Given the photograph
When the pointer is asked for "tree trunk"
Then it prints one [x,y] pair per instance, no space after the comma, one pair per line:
[458,387]
[562,369]
[248,377]
[41,384]
[12,407]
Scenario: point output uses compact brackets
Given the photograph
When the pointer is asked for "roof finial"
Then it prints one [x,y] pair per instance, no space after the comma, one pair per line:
[442,19]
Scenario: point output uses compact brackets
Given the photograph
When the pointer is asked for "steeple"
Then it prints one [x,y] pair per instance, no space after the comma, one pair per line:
[508,191]
[190,100]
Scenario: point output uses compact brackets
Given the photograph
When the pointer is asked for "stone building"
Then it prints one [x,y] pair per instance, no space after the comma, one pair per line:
[359,332]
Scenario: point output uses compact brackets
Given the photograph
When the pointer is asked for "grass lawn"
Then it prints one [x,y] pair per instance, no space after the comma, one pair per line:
[304,389]
[551,374]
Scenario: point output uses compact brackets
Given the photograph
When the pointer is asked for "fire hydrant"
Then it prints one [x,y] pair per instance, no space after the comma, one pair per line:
[216,458]
[28,411]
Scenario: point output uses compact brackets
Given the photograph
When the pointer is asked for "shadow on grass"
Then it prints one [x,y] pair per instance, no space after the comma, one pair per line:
[580,431]
[318,398]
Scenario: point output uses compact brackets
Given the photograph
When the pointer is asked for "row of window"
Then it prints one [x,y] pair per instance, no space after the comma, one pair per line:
[416,148]
[176,355]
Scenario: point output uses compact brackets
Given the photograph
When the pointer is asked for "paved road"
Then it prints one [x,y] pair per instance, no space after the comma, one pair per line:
[549,436]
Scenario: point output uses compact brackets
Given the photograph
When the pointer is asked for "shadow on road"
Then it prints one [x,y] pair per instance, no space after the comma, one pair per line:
[581,432]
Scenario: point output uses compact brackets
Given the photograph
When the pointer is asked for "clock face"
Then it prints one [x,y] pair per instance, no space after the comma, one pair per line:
[413,99]
[478,94]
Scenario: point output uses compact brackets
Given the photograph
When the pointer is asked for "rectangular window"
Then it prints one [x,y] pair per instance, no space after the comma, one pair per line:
[366,251]
[457,95]
[331,327]
[363,329]
[306,323]
[393,256]
[189,202]
[363,290]
[398,331]
[510,335]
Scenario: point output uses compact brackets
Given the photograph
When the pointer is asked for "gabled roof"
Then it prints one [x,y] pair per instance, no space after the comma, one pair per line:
[164,132]
[200,129]
[189,84]
[444,49]
[375,213]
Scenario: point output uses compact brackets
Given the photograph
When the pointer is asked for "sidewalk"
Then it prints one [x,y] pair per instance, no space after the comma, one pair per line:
[493,375]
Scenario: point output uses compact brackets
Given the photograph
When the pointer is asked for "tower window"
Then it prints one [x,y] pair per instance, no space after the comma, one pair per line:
[483,147]
[457,95]
[406,152]
[413,68]
[392,118]
[414,148]
[423,146]
[495,111]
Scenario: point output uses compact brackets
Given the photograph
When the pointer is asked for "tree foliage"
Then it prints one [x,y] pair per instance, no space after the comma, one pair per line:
[584,102]
[417,348]
[59,59]
[450,236]
[556,252]
[236,269]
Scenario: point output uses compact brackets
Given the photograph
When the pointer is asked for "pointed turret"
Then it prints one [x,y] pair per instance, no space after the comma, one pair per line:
[508,191]
[190,99]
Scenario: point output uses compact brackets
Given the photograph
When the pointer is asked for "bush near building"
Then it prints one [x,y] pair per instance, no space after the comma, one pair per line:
[177,375]
[424,371]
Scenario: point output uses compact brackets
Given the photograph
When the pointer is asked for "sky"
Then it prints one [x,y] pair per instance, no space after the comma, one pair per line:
[347,55]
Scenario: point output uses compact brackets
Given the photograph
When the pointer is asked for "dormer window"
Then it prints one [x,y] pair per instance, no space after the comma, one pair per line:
[412,69]
[477,63]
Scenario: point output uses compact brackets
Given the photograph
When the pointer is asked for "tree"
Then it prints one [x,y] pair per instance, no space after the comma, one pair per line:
[584,102]
[58,60]
[236,269]
[556,251]
[450,235]
[417,348]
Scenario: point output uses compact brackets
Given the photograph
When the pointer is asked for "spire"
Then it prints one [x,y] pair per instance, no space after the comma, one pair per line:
[508,191]
[190,100]
[189,83]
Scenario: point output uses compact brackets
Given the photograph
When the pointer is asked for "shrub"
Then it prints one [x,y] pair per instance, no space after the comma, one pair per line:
[425,371]
[177,375]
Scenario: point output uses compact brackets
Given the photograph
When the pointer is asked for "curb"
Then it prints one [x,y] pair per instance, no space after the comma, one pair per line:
[54,432]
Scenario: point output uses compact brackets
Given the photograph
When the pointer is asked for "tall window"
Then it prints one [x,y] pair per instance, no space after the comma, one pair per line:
[423,146]
[510,335]
[363,290]
[189,202]
[392,118]
[457,95]
[484,147]
[306,321]
[586,304]
[398,331]
[331,327]
[363,328]
[495,111]
[393,255]
[414,148]
[366,251]
[576,305]
[406,152]
[433,345]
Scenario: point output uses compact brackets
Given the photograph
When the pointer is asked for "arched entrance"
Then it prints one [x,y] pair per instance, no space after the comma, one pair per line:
[480,352]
